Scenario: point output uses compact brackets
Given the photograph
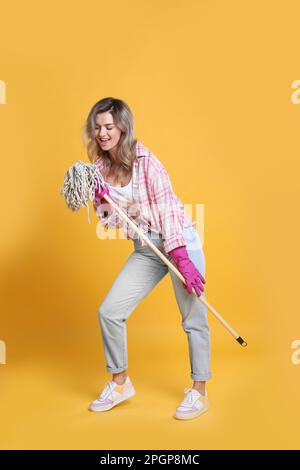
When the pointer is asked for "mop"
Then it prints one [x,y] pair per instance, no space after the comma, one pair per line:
[79,188]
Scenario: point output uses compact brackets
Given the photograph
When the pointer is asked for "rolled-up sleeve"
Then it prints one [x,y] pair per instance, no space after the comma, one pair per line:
[167,210]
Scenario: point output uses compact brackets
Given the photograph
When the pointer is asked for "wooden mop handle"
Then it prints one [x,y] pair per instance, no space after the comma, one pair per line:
[124,216]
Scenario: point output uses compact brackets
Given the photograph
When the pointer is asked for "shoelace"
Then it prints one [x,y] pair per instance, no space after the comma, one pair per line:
[107,391]
[189,397]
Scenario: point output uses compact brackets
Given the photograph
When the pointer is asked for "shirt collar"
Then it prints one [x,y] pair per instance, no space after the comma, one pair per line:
[141,150]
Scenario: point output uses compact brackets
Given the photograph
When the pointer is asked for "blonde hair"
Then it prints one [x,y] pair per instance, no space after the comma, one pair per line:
[123,118]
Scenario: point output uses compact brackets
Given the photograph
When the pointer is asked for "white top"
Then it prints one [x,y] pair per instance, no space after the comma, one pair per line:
[124,192]
[124,197]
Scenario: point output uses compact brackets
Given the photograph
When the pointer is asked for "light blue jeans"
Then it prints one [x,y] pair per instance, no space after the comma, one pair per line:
[139,275]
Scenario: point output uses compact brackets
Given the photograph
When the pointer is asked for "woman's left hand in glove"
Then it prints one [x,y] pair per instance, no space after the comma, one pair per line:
[185,265]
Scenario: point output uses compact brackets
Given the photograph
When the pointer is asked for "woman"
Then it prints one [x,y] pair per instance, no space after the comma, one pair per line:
[136,179]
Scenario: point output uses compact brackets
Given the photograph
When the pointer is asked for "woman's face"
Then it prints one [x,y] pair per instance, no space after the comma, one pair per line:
[107,133]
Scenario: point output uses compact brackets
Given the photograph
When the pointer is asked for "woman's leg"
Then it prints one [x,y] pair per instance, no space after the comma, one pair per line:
[194,315]
[139,275]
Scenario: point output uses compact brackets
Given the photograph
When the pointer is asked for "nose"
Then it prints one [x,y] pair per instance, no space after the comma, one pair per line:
[102,135]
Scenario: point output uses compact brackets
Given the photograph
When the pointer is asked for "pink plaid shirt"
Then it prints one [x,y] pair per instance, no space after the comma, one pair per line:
[156,207]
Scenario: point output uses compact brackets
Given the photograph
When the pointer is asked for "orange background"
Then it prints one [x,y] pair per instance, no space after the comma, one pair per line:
[210,87]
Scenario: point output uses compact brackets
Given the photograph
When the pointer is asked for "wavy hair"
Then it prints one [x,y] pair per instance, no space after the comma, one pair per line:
[123,118]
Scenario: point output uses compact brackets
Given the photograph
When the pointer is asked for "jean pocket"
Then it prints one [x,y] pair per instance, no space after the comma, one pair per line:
[190,234]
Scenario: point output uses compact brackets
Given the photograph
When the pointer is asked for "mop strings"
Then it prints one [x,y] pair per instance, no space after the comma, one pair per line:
[79,185]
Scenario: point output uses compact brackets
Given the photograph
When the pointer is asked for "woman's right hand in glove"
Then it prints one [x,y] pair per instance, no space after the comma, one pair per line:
[99,201]
[100,191]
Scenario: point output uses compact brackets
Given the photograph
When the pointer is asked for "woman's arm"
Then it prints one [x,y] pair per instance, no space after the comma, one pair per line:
[171,216]
[167,208]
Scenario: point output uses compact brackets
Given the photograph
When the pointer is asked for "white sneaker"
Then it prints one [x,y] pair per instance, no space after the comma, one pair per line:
[193,404]
[113,394]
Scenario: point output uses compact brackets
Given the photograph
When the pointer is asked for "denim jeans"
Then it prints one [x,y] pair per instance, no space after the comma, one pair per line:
[139,275]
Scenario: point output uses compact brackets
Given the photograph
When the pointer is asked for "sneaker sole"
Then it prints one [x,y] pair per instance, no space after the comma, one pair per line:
[125,396]
[190,415]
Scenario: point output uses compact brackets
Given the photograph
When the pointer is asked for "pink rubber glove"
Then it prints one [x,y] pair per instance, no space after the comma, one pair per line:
[100,191]
[185,265]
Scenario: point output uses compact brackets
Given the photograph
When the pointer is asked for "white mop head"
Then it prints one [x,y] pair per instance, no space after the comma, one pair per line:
[79,185]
